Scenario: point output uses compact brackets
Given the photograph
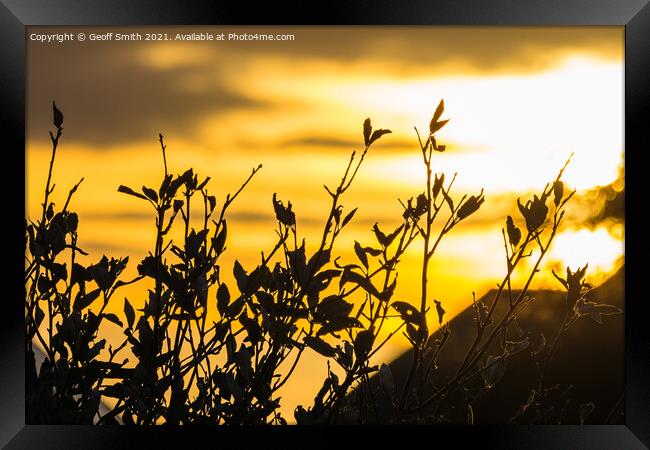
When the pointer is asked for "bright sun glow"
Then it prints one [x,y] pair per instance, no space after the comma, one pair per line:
[498,141]
[597,247]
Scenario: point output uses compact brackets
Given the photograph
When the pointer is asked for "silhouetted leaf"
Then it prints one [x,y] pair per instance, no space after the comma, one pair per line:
[194,242]
[44,284]
[223,298]
[363,343]
[363,282]
[59,272]
[115,391]
[266,300]
[332,308]
[595,310]
[152,267]
[164,186]
[150,193]
[145,337]
[440,311]
[101,276]
[372,251]
[470,206]
[377,134]
[219,242]
[128,190]
[516,347]
[50,211]
[253,330]
[408,312]
[243,361]
[284,214]
[574,279]
[236,307]
[338,324]
[534,212]
[203,183]
[558,192]
[240,276]
[83,301]
[514,233]
[345,357]
[421,205]
[212,201]
[388,292]
[320,346]
[259,277]
[72,221]
[113,318]
[361,254]
[129,313]
[367,129]
[381,237]
[318,260]
[39,315]
[94,350]
[327,385]
[298,264]
[438,125]
[391,237]
[57,116]
[187,176]
[326,276]
[348,217]
[231,347]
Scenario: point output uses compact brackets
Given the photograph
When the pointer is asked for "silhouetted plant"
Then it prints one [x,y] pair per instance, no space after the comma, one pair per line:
[191,370]
[59,291]
[543,404]
[497,339]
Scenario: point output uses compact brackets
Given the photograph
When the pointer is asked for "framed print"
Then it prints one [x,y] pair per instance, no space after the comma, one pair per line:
[376,215]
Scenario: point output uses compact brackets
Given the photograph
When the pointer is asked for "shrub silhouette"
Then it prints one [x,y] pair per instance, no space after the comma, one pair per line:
[188,370]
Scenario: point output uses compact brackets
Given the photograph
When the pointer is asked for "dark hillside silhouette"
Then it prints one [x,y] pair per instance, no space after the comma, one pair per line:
[591,360]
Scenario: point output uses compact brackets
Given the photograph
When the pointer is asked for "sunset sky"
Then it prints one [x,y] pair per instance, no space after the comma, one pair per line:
[520,100]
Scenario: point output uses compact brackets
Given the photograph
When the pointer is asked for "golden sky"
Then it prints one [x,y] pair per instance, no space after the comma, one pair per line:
[520,101]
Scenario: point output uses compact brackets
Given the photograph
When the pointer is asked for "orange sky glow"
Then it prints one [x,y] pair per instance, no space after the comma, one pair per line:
[520,101]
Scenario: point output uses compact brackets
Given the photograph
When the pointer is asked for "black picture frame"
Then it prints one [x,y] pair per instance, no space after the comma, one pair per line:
[634,15]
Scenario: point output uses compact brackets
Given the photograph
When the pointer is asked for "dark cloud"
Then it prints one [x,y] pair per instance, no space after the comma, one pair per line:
[388,143]
[318,141]
[109,248]
[118,215]
[452,50]
[110,96]
[136,216]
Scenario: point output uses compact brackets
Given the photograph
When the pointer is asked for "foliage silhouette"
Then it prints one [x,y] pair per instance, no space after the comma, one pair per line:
[191,370]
